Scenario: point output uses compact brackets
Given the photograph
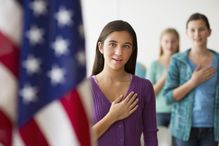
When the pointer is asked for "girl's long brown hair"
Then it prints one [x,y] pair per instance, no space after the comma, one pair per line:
[117,25]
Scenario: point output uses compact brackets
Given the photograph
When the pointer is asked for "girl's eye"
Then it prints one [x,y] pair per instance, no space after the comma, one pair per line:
[192,30]
[201,29]
[112,44]
[127,46]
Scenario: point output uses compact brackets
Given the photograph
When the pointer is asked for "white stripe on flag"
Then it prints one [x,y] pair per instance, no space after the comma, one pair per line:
[55,125]
[85,94]
[8,91]
[17,141]
[84,89]
[10,19]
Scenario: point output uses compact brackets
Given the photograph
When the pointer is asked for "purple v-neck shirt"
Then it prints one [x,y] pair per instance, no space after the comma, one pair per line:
[127,132]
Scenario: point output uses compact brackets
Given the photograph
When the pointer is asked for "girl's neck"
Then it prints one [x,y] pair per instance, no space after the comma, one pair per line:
[120,76]
[165,59]
[201,57]
[199,51]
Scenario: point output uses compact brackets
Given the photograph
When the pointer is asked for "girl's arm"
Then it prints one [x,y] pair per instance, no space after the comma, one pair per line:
[151,75]
[120,109]
[174,90]
[160,83]
[199,76]
[149,117]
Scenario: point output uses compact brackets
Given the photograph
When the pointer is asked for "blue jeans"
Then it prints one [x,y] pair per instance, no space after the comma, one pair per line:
[163,119]
[198,137]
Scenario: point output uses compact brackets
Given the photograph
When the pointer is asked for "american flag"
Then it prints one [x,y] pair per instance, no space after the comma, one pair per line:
[44,99]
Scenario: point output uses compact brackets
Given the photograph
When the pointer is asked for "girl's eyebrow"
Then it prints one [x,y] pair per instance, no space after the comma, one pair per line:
[113,41]
[128,43]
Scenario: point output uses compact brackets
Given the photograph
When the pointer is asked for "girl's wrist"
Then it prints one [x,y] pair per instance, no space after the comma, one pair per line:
[191,84]
[111,118]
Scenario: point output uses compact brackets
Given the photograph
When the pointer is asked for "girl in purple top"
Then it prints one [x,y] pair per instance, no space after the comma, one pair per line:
[124,104]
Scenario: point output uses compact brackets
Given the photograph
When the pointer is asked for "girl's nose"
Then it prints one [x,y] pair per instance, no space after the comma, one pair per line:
[197,33]
[118,50]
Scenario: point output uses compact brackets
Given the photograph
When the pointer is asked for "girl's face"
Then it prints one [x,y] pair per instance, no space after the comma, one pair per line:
[169,43]
[116,49]
[198,32]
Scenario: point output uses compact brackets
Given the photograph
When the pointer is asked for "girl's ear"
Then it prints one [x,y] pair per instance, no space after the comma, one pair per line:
[100,47]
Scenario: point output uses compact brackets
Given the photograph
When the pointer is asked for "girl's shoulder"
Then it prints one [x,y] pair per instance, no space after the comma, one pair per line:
[141,81]
[180,57]
[155,64]
[90,78]
[143,87]
[214,52]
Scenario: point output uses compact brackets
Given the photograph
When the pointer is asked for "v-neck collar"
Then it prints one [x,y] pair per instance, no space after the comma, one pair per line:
[101,92]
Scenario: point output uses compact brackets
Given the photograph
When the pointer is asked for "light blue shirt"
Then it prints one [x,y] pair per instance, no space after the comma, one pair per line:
[140,70]
[154,74]
[179,72]
[203,109]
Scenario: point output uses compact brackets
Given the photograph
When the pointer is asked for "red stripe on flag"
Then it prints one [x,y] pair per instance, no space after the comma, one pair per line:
[5,130]
[78,117]
[32,135]
[9,54]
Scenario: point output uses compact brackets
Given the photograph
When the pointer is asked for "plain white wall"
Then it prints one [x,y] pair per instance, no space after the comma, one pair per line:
[148,18]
